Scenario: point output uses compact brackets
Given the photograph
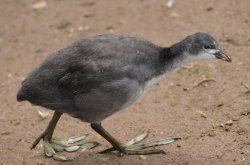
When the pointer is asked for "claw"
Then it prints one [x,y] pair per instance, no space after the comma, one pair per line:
[89,145]
[60,158]
[152,144]
[37,141]
[48,150]
[160,142]
[63,143]
[57,147]
[72,148]
[137,139]
[69,141]
[75,139]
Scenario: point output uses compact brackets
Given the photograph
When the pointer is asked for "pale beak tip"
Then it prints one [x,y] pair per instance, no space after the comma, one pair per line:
[223,56]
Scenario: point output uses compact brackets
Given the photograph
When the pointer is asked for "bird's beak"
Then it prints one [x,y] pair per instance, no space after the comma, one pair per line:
[223,56]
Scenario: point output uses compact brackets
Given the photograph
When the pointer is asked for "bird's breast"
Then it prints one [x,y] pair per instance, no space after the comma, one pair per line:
[150,83]
[140,91]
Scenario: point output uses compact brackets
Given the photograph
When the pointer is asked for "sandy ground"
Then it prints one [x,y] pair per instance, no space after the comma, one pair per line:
[182,105]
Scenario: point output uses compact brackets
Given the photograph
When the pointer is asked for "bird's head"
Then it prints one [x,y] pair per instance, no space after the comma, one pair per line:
[201,46]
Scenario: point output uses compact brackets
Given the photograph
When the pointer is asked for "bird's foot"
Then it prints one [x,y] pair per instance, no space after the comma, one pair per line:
[72,144]
[132,148]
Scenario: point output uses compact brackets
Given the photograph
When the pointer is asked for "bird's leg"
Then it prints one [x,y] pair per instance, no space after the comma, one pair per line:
[51,146]
[47,134]
[131,148]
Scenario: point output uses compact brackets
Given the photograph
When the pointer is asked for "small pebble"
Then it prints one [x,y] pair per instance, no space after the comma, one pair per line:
[39,5]
[87,28]
[210,8]
[63,24]
[121,22]
[9,75]
[5,133]
[143,157]
[109,28]
[202,114]
[169,4]
[17,123]
[220,105]
[229,122]
[71,30]
[90,3]
[43,115]
[80,28]
[90,14]
[174,15]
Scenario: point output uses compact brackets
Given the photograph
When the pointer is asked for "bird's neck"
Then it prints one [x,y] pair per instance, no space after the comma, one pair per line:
[172,57]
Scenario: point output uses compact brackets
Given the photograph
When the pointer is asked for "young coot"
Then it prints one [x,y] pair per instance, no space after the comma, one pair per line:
[98,76]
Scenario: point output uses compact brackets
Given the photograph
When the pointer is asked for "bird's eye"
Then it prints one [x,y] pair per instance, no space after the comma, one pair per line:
[208,46]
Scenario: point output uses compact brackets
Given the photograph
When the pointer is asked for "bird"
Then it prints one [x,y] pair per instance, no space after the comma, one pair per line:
[98,76]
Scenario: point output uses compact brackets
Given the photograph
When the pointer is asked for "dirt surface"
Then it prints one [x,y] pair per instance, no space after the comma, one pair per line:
[182,105]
